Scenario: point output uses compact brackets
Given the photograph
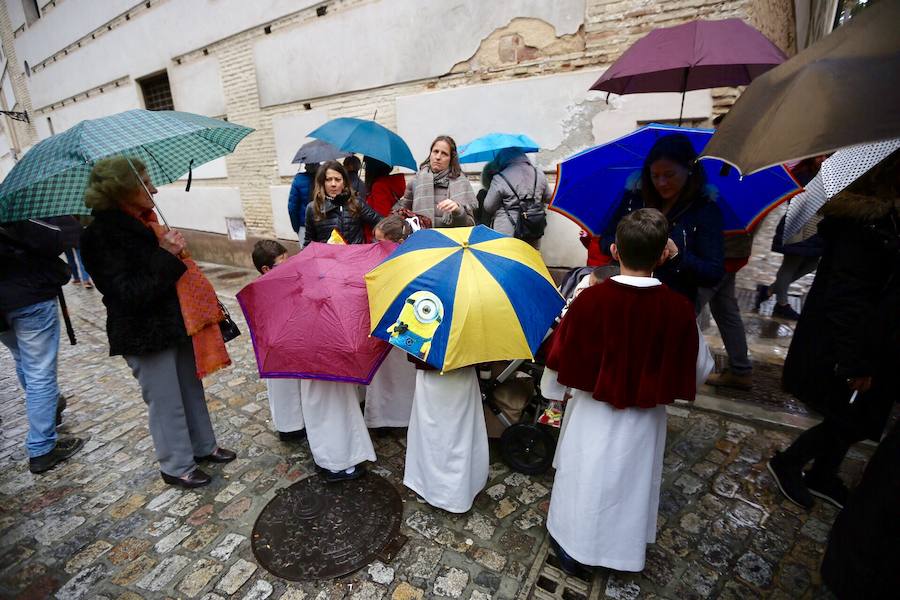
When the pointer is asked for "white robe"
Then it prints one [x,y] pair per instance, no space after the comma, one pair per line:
[609,461]
[335,429]
[389,398]
[284,404]
[447,447]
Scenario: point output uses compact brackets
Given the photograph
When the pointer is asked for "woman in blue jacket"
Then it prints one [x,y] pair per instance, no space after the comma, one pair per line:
[673,183]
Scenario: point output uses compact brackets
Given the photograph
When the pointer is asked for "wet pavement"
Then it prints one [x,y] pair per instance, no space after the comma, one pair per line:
[103,524]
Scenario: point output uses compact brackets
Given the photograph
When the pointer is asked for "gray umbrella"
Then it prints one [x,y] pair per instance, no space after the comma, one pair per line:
[317,151]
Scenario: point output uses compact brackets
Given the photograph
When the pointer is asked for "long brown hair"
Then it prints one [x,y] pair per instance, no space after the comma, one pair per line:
[318,201]
[455,168]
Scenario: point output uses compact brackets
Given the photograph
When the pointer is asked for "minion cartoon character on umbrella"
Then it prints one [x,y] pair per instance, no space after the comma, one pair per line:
[414,329]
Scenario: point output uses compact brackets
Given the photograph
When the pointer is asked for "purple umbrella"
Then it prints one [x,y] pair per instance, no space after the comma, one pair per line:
[693,56]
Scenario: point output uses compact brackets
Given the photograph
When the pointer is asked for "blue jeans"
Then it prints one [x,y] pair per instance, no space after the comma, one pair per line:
[77,266]
[33,339]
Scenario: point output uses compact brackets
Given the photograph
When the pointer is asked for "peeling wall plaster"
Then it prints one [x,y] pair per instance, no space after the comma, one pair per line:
[389,42]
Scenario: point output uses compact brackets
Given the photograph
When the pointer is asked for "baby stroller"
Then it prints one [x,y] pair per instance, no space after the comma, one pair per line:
[514,407]
[526,423]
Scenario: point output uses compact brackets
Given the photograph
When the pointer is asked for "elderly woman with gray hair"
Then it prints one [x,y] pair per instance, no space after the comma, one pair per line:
[162,315]
[440,191]
[517,182]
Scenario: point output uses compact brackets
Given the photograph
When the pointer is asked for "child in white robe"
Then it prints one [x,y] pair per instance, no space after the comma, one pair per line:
[626,348]
[389,397]
[284,394]
[447,457]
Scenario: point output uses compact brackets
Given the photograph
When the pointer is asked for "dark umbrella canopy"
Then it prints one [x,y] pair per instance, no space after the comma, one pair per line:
[839,92]
[317,151]
[693,56]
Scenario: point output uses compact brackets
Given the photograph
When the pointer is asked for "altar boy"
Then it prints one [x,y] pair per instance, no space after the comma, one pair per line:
[626,348]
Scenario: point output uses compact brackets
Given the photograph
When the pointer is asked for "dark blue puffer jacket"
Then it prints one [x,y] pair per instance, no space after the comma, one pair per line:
[301,189]
[695,226]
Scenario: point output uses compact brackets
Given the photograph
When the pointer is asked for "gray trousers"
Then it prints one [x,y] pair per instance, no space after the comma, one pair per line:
[792,268]
[179,421]
[724,308]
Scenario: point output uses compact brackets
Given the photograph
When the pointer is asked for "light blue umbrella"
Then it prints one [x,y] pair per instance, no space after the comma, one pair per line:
[486,147]
[590,184]
[360,136]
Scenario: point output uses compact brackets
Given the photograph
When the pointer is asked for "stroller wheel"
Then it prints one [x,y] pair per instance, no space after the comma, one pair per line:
[527,448]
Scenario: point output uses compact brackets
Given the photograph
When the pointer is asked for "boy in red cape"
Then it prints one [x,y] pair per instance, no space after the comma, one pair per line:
[626,348]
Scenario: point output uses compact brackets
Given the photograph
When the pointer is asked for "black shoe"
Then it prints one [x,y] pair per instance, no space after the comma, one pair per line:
[194,479]
[219,455]
[784,311]
[569,565]
[790,481]
[60,407]
[762,294]
[63,450]
[332,477]
[830,489]
[290,436]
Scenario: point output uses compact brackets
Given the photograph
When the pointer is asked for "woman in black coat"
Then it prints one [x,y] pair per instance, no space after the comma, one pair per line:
[847,342]
[673,183]
[335,207]
[136,272]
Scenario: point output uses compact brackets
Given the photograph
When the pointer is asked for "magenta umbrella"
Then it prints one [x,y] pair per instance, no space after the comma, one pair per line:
[309,317]
[693,56]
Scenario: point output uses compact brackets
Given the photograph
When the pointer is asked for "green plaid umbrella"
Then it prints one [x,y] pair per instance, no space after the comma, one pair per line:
[51,178]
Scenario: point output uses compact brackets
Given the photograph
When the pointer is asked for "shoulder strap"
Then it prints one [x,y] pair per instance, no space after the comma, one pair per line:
[519,200]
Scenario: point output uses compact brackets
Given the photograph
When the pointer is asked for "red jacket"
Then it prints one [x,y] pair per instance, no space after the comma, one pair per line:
[629,346]
[385,192]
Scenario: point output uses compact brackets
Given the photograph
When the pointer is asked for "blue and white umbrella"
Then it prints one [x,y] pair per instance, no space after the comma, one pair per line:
[838,171]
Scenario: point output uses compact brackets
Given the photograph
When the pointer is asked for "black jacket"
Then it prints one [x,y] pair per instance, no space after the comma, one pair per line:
[695,226]
[30,268]
[338,217]
[137,279]
[850,324]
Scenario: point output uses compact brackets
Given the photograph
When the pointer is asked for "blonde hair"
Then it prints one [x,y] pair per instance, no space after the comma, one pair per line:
[112,180]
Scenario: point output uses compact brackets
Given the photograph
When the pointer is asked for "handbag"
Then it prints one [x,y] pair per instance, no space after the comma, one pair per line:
[422,221]
[228,327]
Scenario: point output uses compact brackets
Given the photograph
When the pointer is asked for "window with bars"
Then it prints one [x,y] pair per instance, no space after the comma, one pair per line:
[157,93]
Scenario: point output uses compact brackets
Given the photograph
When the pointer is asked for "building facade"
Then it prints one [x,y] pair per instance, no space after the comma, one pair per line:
[284,67]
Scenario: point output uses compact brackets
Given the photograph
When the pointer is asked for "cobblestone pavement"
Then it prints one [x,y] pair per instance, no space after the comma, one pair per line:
[103,525]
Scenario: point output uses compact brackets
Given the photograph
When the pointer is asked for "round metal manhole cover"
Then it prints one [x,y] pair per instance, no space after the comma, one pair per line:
[318,530]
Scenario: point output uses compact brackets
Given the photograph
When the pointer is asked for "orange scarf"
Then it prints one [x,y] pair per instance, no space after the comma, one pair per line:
[199,309]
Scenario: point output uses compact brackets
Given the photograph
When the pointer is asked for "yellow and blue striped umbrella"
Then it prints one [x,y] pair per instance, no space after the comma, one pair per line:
[461,296]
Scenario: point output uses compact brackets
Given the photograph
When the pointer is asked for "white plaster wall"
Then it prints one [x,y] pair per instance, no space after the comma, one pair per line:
[111,101]
[281,222]
[214,169]
[201,209]
[4,144]
[629,110]
[197,87]
[8,93]
[388,42]
[545,108]
[557,111]
[6,165]
[537,106]
[145,44]
[290,134]
[16,13]
[65,24]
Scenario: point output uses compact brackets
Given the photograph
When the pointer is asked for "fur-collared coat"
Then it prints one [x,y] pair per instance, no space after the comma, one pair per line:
[850,325]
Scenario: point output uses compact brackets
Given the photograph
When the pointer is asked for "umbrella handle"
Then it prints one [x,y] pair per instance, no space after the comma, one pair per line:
[147,191]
